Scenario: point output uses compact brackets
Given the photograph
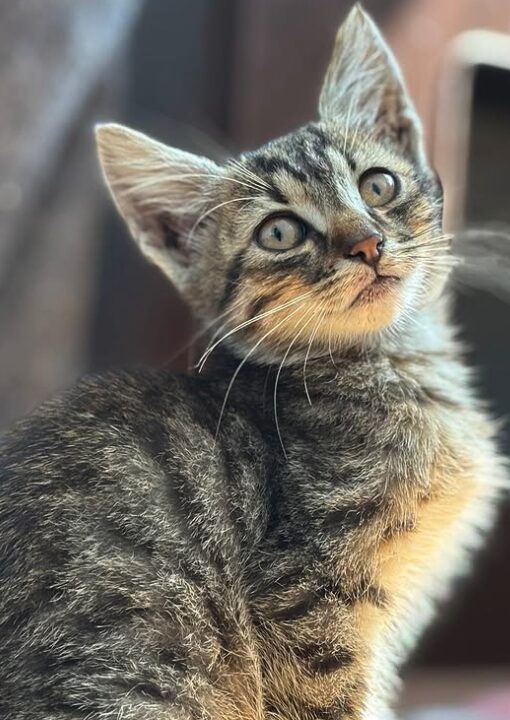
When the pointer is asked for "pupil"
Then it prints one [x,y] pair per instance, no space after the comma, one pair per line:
[277,233]
[376,188]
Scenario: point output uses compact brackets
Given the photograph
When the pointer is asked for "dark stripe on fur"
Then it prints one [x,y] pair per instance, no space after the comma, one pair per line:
[341,710]
[257,305]
[277,195]
[284,264]
[310,600]
[323,660]
[404,210]
[272,165]
[233,274]
[376,596]
[350,161]
[400,527]
[323,141]
[302,607]
[350,518]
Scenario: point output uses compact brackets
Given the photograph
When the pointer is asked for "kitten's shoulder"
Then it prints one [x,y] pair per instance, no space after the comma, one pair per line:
[111,410]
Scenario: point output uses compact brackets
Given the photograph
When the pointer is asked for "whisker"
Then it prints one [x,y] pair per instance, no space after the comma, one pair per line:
[329,344]
[163,177]
[425,243]
[250,321]
[348,121]
[244,360]
[209,212]
[436,262]
[423,259]
[308,350]
[280,367]
[235,305]
[203,331]
[355,135]
[249,174]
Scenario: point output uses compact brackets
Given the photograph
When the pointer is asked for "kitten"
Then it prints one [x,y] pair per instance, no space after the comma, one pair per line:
[266,538]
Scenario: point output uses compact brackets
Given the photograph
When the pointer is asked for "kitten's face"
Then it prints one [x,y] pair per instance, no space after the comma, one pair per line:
[330,236]
[339,240]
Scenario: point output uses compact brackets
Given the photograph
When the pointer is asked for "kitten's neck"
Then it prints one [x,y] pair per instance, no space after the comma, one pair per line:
[428,332]
[322,380]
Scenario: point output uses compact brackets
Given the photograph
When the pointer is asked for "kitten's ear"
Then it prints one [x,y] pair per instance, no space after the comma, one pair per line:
[364,85]
[160,191]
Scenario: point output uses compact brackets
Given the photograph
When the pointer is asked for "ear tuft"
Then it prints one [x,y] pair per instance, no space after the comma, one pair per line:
[160,191]
[111,135]
[364,86]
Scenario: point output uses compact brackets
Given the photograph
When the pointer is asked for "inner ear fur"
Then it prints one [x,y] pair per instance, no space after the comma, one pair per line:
[160,191]
[363,85]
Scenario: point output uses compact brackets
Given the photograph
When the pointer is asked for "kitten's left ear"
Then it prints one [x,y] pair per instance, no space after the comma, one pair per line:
[162,194]
[364,85]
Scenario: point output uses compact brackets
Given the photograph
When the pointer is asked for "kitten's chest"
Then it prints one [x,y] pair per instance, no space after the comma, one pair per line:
[374,518]
[399,476]
[440,487]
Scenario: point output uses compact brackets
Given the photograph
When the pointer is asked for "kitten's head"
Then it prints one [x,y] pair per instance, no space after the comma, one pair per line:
[327,237]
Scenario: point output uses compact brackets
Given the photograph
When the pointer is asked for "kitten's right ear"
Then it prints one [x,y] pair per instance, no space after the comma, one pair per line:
[161,192]
[364,85]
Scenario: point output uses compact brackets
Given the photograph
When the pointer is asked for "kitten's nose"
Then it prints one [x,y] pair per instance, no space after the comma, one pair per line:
[368,250]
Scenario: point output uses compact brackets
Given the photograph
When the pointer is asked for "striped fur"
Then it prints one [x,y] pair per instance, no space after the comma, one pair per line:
[266,538]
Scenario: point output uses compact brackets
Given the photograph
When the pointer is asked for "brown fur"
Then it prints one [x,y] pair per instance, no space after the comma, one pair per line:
[267,538]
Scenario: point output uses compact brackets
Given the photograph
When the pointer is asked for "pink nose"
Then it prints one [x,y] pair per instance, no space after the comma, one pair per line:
[368,250]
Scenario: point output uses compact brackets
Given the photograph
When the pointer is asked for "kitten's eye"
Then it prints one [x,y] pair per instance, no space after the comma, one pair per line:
[377,187]
[281,233]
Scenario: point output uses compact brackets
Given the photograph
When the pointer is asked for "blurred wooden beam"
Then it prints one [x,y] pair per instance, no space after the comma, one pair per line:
[281,51]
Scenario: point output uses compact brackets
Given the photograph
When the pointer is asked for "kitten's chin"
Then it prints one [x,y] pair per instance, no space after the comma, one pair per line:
[374,308]
[389,305]
[356,317]
[376,291]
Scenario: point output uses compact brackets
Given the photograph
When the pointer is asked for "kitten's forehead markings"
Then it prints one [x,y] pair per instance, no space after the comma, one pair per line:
[345,180]
[317,177]
[302,202]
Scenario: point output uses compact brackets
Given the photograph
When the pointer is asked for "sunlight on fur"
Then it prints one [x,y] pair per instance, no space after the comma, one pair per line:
[267,536]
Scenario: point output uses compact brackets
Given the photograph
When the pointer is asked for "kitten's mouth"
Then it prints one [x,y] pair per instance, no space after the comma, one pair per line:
[379,287]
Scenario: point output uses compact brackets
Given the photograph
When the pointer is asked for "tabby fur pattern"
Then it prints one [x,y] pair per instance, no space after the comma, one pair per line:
[267,537]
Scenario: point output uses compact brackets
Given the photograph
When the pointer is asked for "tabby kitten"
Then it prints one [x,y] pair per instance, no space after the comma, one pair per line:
[268,537]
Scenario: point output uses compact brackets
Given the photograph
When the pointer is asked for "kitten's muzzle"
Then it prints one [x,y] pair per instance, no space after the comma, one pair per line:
[368,249]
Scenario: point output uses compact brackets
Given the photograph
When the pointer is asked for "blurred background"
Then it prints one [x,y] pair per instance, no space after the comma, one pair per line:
[216,77]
